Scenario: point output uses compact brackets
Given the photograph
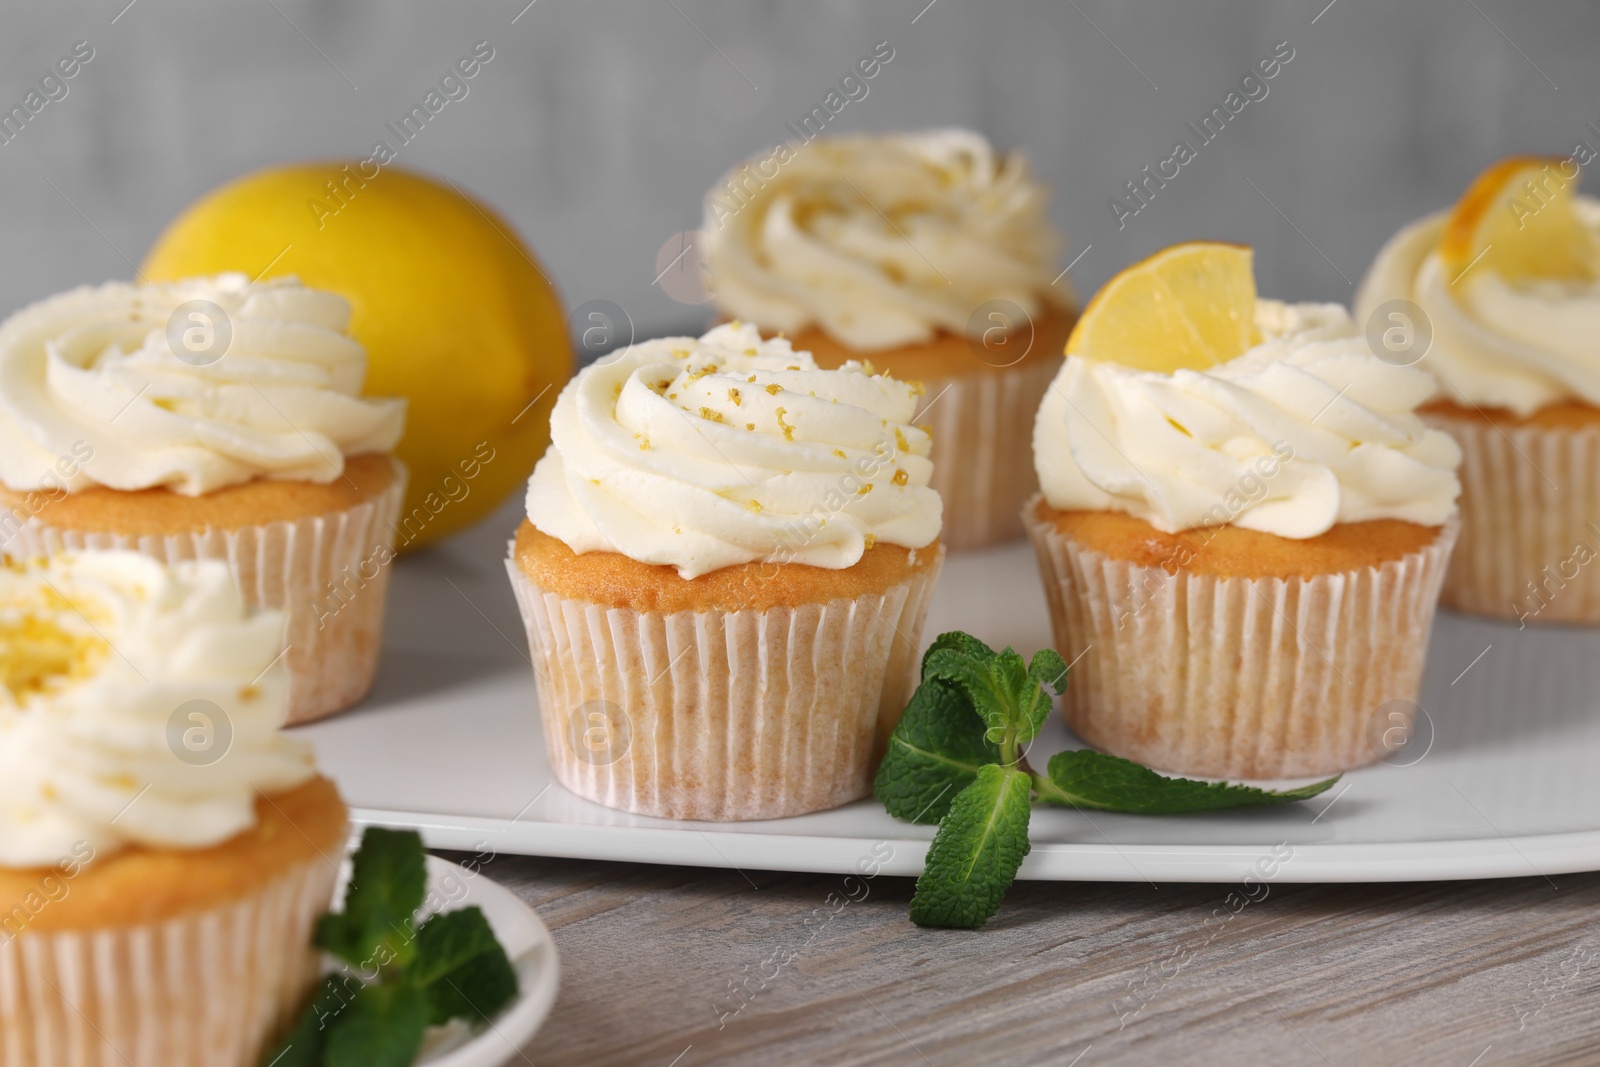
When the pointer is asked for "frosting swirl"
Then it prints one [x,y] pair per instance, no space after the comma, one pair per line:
[100,654]
[1495,344]
[881,241]
[93,367]
[1305,430]
[729,449]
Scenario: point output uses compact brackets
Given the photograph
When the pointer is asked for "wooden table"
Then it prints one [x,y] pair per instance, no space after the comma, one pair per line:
[1460,974]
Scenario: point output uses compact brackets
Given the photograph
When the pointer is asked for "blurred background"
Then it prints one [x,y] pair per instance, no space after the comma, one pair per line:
[597,126]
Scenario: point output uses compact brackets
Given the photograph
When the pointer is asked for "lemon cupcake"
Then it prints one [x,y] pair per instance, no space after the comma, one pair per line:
[928,254]
[164,850]
[724,572]
[211,419]
[1499,298]
[1243,524]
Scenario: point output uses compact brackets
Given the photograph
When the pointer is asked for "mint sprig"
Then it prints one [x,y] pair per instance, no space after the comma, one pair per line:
[956,759]
[401,978]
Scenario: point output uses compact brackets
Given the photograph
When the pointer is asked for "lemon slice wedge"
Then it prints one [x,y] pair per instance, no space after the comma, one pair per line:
[1188,307]
[1519,220]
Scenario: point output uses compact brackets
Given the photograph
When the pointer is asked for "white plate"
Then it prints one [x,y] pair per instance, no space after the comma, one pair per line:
[533,953]
[449,743]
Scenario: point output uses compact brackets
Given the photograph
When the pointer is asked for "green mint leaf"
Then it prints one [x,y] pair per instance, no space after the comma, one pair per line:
[305,1043]
[1089,779]
[1030,686]
[957,641]
[462,968]
[1028,705]
[478,990]
[381,1027]
[1007,692]
[934,753]
[448,940]
[387,882]
[973,676]
[1047,674]
[975,855]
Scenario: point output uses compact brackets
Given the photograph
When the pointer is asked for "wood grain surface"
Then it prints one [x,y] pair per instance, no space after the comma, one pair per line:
[1460,974]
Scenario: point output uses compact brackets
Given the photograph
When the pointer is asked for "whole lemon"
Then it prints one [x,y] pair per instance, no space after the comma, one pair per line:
[455,314]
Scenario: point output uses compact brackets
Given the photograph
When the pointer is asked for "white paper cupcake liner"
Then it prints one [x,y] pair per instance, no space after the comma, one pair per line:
[204,990]
[983,449]
[1237,677]
[722,715]
[325,571]
[1530,522]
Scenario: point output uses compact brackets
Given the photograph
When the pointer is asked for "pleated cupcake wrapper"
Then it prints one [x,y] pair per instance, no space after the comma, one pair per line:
[1530,522]
[209,989]
[325,571]
[1238,677]
[983,449]
[722,715]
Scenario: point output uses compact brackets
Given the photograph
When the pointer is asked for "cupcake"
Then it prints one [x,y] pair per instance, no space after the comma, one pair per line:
[927,254]
[1240,551]
[724,571]
[211,419]
[164,850]
[1499,298]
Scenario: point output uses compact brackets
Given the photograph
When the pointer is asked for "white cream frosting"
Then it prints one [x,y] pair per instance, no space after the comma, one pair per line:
[880,240]
[1495,344]
[1305,430]
[707,453]
[86,743]
[93,367]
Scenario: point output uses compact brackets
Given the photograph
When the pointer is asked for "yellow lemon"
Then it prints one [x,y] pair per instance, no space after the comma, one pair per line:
[1517,219]
[1187,307]
[455,313]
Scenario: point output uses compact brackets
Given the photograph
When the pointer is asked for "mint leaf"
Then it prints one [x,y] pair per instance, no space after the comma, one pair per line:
[462,968]
[387,882]
[975,855]
[381,1027]
[957,641]
[477,990]
[1047,674]
[304,1045]
[1010,674]
[1026,686]
[972,675]
[934,753]
[1089,779]
[448,940]
[1008,693]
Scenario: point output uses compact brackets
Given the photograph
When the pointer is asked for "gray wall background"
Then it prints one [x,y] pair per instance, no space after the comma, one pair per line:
[599,124]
